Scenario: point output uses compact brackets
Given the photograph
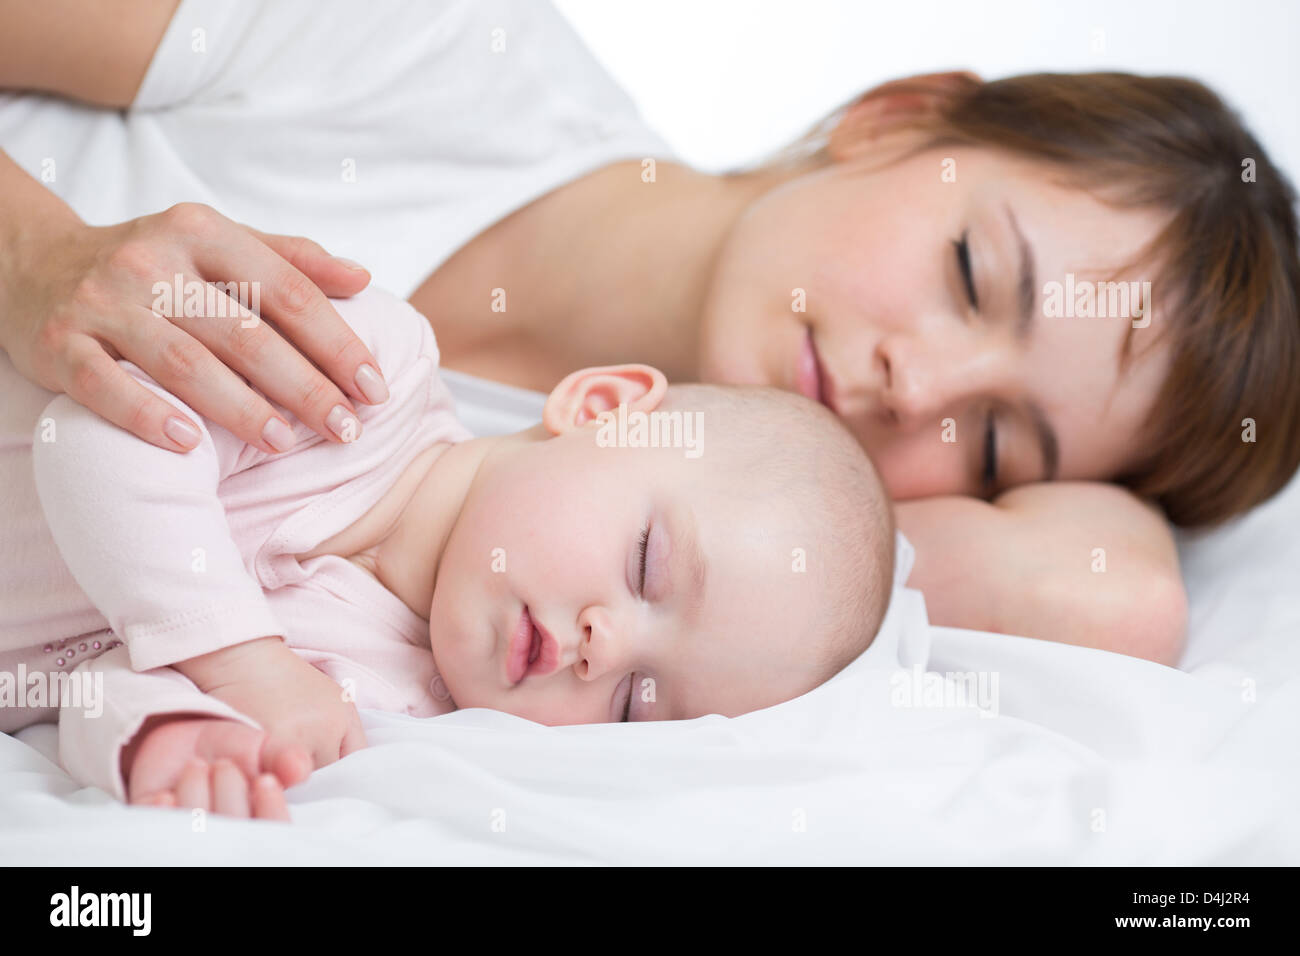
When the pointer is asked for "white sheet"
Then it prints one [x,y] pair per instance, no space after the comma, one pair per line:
[1184,766]
[1092,758]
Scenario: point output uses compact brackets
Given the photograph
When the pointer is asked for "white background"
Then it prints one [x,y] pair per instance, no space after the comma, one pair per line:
[727,81]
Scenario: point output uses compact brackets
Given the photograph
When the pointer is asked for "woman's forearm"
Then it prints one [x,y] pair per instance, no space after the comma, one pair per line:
[1075,562]
[96,53]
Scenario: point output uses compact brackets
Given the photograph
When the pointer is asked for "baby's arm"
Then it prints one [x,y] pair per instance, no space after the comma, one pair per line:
[145,535]
[189,760]
[106,705]
[154,738]
[308,719]
[258,704]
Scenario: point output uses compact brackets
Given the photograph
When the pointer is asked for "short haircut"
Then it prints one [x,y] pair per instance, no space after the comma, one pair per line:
[1226,259]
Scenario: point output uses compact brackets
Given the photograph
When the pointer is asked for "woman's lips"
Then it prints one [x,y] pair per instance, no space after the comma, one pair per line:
[810,377]
[531,650]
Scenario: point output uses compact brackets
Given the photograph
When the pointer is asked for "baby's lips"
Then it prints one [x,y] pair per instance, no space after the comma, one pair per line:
[532,650]
[548,653]
[518,648]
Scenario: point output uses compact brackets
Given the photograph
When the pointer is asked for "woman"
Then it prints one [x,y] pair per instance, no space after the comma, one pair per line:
[893,266]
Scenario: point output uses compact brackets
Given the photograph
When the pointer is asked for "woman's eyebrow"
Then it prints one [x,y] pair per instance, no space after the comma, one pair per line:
[1026,284]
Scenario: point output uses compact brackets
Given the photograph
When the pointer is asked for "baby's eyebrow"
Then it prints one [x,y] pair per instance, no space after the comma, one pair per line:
[691,561]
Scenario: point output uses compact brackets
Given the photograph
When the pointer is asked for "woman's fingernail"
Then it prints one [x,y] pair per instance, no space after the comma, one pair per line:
[181,432]
[343,424]
[278,435]
[355,266]
[372,384]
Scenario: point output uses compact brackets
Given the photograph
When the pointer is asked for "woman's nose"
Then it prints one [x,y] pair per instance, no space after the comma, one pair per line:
[923,378]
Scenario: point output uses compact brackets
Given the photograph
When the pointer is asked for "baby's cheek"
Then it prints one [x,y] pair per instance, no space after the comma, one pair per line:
[582,706]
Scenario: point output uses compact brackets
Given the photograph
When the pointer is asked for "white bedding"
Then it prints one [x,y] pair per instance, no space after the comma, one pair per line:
[1092,758]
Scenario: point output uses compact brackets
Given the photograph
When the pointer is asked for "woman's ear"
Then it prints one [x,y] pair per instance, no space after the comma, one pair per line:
[893,105]
[584,394]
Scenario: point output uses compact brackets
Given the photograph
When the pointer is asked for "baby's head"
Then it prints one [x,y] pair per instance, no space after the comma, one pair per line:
[740,566]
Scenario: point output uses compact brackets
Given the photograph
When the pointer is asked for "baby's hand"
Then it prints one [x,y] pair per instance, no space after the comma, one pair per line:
[308,722]
[204,763]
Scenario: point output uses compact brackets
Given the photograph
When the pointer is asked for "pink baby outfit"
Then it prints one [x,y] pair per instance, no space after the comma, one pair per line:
[120,558]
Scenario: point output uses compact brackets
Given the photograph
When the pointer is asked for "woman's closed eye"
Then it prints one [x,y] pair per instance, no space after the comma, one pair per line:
[988,479]
[989,473]
[962,249]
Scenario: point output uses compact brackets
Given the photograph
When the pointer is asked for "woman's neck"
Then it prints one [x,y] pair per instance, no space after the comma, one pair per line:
[606,269]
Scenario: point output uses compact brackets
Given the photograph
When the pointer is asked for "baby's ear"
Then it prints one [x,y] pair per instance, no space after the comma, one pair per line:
[584,394]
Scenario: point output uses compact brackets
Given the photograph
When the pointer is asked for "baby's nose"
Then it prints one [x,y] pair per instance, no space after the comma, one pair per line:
[595,648]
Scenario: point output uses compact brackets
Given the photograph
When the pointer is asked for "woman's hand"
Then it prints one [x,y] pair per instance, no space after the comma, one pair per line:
[74,298]
[308,721]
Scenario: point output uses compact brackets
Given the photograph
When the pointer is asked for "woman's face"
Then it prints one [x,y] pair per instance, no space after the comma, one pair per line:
[951,393]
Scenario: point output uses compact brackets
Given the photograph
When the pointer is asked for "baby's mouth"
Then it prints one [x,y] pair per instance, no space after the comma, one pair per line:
[531,650]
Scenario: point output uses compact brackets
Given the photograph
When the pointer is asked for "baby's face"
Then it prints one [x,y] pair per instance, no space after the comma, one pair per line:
[637,579]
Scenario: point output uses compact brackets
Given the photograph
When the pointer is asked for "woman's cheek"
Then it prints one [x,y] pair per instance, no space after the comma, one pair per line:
[909,469]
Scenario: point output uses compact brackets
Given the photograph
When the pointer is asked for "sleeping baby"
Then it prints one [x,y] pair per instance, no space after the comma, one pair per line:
[646,552]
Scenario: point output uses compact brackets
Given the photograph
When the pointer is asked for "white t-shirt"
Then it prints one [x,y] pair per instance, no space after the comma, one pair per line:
[391,133]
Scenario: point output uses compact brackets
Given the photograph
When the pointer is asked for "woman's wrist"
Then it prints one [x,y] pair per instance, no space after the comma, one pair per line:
[33,224]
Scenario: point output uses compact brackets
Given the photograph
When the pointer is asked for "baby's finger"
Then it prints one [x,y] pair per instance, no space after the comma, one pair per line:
[161,798]
[229,789]
[194,789]
[325,753]
[354,739]
[268,799]
[290,763]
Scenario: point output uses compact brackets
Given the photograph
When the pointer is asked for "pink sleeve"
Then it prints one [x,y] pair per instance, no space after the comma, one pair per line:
[145,535]
[112,703]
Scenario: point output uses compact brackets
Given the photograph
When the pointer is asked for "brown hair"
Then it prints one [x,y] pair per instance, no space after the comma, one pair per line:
[1228,249]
